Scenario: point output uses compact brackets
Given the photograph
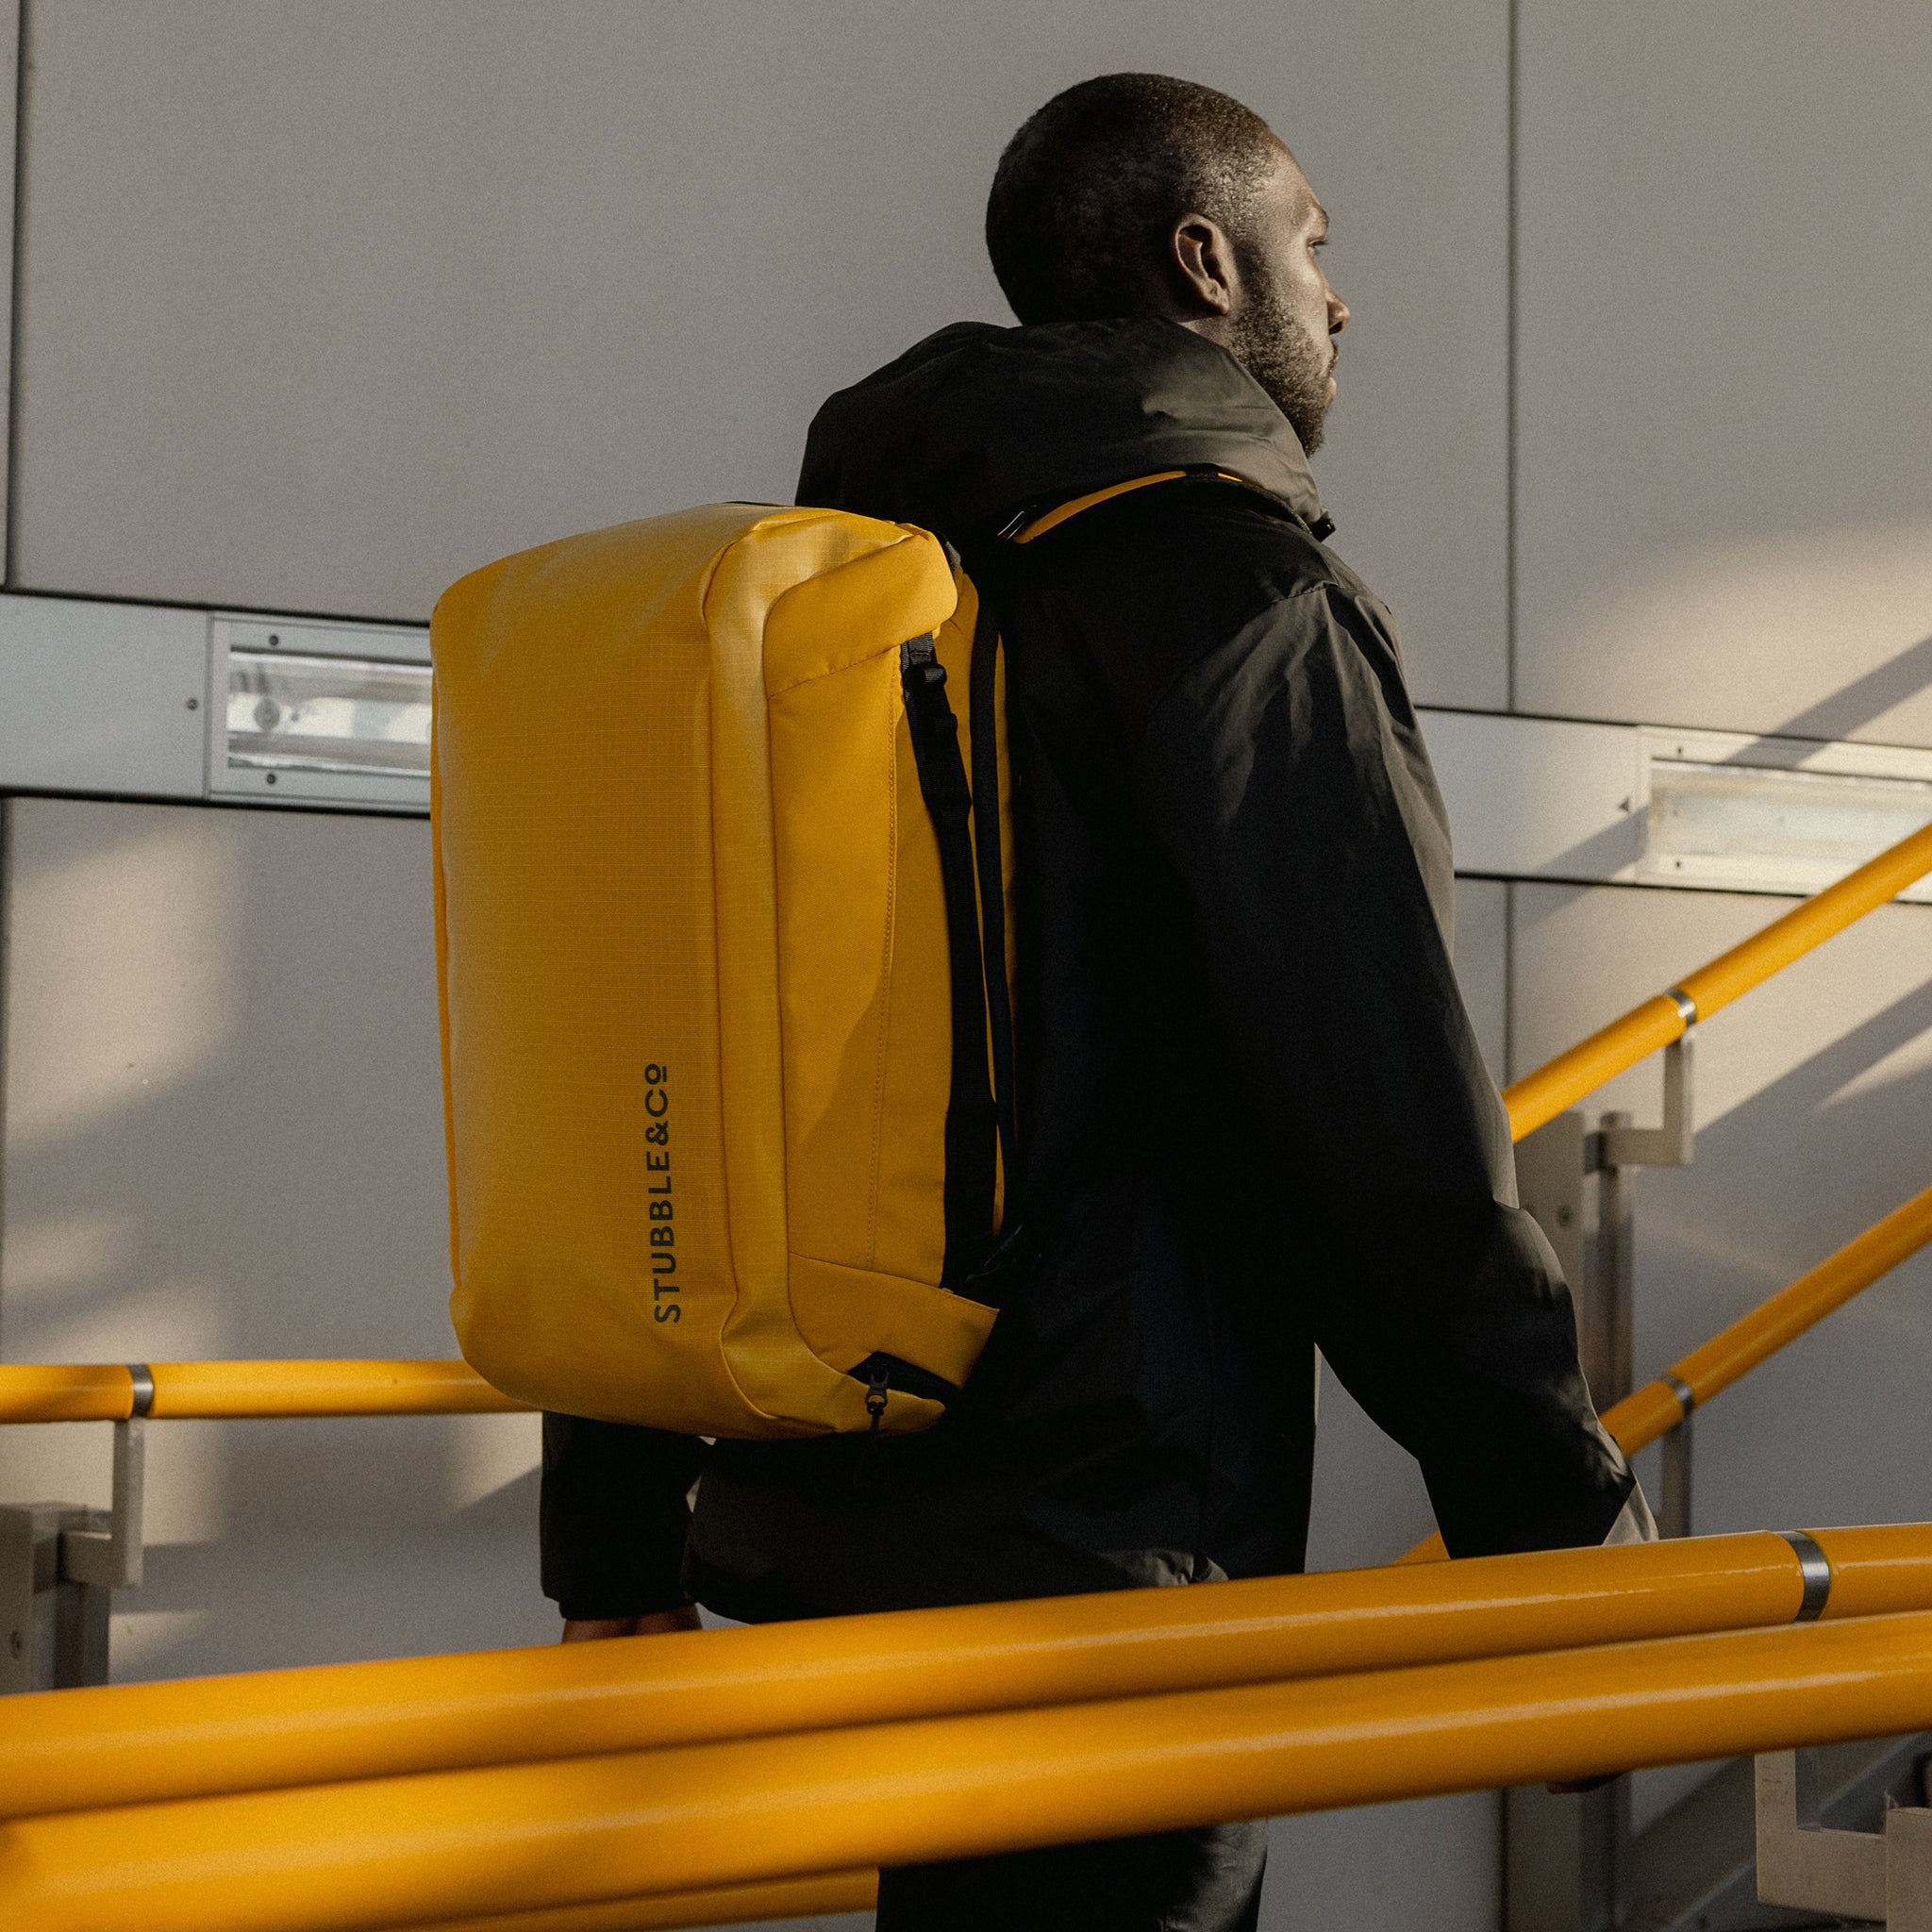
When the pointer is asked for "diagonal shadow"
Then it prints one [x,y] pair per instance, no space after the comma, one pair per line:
[1590,860]
[1785,746]
[1783,1179]
[1806,1086]
[1844,711]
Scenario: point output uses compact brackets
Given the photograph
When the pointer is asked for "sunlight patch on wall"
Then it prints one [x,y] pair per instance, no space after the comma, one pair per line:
[1911,1061]
[1823,633]
[127,960]
[48,1260]
[488,1453]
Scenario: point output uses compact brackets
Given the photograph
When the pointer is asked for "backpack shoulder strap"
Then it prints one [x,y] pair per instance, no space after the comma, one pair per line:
[1025,526]
[971,1117]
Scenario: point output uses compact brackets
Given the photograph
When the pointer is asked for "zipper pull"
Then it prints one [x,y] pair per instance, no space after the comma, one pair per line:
[875,1394]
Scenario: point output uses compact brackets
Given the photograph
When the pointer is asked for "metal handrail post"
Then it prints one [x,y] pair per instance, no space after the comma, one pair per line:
[111,1558]
[1615,1271]
[1567,1859]
[96,1553]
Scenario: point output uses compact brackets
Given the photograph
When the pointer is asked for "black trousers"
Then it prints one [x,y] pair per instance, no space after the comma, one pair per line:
[766,1552]
[1207,1880]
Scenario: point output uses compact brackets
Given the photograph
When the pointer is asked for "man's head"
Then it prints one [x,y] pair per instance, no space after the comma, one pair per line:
[1137,194]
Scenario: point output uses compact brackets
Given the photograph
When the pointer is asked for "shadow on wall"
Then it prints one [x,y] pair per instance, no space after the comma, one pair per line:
[1875,1082]
[1813,1095]
[273,1599]
[222,1137]
[1815,634]
[1828,1429]
[1846,711]
[1884,690]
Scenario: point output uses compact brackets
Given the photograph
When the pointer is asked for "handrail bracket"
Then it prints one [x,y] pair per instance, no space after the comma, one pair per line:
[1884,1877]
[1673,1143]
[111,1559]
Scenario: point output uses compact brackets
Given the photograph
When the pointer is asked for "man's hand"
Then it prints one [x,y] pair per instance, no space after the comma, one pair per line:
[659,1623]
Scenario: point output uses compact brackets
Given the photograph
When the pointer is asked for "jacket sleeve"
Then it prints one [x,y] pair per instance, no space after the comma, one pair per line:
[613,1516]
[1286,774]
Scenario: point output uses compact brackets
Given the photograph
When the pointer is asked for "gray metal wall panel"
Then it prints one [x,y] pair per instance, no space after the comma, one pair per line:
[1387,1868]
[1726,265]
[103,697]
[9,103]
[1813,1095]
[222,1137]
[326,306]
[1482,964]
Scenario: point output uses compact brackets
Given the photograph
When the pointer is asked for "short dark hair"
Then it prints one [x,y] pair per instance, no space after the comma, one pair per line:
[1085,191]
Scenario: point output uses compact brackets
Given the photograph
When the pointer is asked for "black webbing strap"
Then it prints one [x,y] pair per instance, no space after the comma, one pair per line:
[984,712]
[972,1121]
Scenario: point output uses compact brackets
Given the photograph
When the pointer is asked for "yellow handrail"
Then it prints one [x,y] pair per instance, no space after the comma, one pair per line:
[138,1743]
[77,1392]
[1657,1409]
[1541,1096]
[718,1905]
[524,1838]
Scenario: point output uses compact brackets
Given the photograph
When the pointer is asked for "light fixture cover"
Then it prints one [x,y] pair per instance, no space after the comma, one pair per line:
[1752,828]
[356,716]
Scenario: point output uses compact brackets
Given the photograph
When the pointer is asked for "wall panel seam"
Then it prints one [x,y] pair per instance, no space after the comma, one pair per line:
[11,574]
[1512,218]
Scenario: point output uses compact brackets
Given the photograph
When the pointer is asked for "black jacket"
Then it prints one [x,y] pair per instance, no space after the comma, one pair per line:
[1254,1119]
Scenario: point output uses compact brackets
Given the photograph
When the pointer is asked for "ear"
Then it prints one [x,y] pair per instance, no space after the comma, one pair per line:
[1202,260]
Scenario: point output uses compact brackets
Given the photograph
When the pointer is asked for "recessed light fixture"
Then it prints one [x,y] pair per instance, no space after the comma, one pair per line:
[318,715]
[1758,815]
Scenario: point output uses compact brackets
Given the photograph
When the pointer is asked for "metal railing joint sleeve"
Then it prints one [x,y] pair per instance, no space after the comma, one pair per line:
[1815,1567]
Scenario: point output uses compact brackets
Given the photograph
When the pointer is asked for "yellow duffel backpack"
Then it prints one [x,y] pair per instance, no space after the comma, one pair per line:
[722,948]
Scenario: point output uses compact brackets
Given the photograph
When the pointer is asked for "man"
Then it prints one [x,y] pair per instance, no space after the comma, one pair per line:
[1255,1118]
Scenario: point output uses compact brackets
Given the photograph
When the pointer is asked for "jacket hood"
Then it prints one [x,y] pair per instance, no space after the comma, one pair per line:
[973,424]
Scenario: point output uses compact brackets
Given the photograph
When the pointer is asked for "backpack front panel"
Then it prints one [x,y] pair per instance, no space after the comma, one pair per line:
[579,975]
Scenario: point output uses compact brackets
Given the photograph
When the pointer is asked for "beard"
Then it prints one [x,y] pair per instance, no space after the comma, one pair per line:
[1288,363]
